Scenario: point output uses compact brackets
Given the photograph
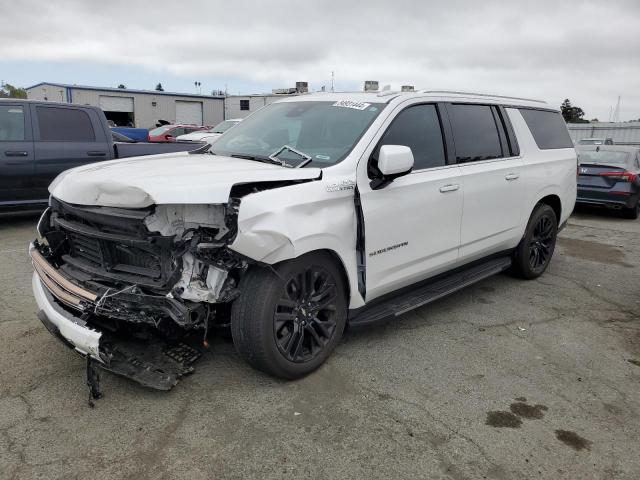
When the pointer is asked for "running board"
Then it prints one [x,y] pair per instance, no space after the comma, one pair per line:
[427,292]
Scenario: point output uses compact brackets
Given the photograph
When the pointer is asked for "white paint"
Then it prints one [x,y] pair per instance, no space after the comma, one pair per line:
[85,340]
[422,224]
[174,178]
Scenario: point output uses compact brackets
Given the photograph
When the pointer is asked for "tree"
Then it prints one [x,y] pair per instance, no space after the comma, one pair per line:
[9,91]
[122,86]
[572,114]
[159,88]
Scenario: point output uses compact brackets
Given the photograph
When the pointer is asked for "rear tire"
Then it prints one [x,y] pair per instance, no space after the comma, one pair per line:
[532,256]
[287,321]
[632,213]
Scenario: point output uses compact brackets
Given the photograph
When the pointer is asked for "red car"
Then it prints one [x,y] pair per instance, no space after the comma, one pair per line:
[168,133]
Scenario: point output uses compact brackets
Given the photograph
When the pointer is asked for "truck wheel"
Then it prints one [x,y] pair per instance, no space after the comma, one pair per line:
[632,213]
[532,256]
[287,321]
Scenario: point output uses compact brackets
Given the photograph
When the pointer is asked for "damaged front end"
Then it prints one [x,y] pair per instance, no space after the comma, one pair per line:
[137,290]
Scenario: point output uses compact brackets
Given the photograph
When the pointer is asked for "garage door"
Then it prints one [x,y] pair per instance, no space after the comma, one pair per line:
[116,104]
[189,112]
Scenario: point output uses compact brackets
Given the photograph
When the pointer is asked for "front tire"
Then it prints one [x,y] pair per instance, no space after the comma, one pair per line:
[532,256]
[288,320]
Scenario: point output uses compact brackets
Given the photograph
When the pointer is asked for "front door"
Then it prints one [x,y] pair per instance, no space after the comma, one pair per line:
[412,225]
[16,154]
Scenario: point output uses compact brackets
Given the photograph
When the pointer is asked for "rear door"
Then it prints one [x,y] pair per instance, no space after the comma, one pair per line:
[491,171]
[16,154]
[412,225]
[66,137]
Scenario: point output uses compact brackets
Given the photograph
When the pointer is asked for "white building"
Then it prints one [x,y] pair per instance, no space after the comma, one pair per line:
[140,108]
[622,133]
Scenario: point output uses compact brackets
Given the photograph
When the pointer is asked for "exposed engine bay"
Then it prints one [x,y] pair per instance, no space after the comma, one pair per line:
[153,281]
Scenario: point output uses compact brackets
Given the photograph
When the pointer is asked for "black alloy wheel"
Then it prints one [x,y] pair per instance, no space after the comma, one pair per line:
[541,243]
[289,318]
[533,254]
[305,315]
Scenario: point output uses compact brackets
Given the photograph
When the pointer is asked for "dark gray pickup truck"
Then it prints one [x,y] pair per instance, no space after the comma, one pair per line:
[38,140]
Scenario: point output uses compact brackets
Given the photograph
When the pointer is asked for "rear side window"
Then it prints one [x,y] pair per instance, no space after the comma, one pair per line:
[418,128]
[548,129]
[64,125]
[475,132]
[11,123]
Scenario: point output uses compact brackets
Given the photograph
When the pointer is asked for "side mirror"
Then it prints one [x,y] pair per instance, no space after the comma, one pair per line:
[393,161]
[168,138]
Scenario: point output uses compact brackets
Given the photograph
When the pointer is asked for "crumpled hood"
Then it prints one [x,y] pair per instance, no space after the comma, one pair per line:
[173,178]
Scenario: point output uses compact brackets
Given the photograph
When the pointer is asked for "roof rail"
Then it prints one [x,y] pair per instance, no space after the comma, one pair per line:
[482,95]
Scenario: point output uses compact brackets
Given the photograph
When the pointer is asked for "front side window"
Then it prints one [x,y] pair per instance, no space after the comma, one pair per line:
[475,132]
[64,125]
[548,129]
[324,131]
[11,123]
[418,127]
[244,104]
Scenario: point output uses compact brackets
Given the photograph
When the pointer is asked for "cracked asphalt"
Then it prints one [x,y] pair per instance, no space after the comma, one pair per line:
[507,379]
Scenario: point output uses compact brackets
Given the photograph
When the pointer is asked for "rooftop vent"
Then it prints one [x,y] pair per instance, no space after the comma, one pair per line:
[371,86]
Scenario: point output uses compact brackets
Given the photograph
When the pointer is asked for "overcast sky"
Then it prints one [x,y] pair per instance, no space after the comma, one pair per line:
[587,50]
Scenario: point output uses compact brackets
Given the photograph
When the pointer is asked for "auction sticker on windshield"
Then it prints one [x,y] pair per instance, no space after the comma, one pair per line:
[351,104]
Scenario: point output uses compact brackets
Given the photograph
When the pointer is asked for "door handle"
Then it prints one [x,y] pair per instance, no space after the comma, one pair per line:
[97,154]
[512,176]
[449,188]
[13,153]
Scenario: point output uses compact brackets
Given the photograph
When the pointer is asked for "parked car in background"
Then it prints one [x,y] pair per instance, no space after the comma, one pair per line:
[38,140]
[609,176]
[211,134]
[169,133]
[315,212]
[595,141]
[137,134]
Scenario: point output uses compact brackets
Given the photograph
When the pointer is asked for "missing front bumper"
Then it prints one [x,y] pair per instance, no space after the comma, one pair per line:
[155,363]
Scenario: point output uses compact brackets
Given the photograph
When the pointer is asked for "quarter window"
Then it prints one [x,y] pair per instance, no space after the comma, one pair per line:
[548,129]
[11,123]
[244,104]
[475,132]
[418,127]
[64,125]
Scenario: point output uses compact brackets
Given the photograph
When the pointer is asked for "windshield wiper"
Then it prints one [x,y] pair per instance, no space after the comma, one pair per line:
[258,159]
[306,158]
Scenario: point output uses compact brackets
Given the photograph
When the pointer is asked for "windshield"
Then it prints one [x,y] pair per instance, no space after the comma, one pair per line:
[325,131]
[222,127]
[160,130]
[604,156]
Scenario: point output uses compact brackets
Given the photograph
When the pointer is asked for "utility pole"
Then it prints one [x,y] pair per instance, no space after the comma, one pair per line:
[333,78]
[616,112]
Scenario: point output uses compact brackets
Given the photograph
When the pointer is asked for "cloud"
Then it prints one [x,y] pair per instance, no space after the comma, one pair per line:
[588,51]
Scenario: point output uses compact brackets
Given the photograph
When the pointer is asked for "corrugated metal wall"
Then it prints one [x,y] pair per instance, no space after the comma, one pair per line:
[621,133]
[148,107]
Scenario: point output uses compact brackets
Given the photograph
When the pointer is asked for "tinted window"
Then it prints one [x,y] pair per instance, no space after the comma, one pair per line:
[244,104]
[64,125]
[11,123]
[548,129]
[475,132]
[418,128]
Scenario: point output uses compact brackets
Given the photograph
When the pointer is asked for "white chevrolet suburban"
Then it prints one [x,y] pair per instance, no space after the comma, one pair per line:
[314,213]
